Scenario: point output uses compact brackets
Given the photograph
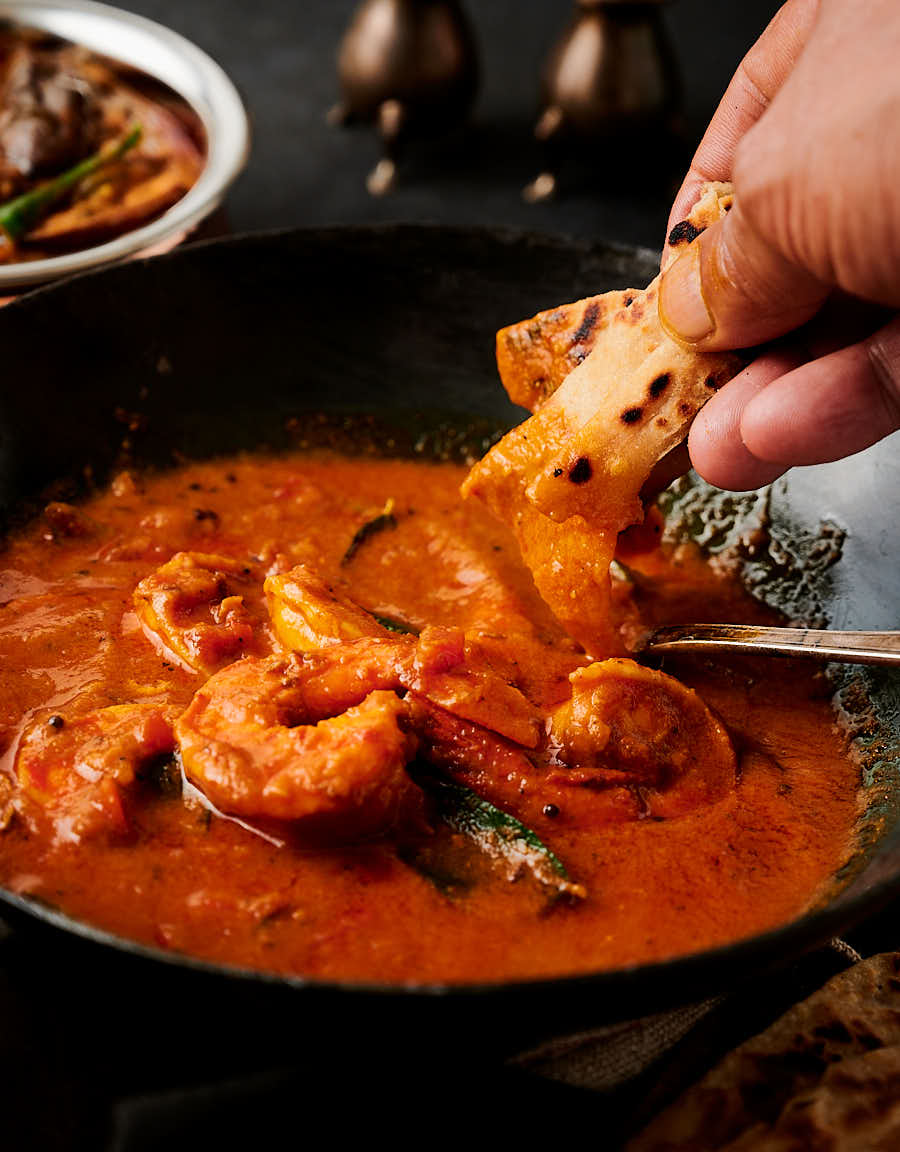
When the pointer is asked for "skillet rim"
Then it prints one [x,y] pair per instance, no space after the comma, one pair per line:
[707,972]
[814,930]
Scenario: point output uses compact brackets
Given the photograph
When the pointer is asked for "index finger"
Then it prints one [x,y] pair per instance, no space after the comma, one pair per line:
[752,88]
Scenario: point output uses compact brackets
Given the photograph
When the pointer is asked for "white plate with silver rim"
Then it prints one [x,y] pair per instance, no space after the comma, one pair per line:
[195,77]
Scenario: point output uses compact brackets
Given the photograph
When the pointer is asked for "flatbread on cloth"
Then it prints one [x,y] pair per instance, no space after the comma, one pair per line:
[824,1076]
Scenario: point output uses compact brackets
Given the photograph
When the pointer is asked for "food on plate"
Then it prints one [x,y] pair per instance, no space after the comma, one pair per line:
[309,714]
[89,149]
[569,479]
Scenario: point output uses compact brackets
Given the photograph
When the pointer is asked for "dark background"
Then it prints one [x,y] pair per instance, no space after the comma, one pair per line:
[282,53]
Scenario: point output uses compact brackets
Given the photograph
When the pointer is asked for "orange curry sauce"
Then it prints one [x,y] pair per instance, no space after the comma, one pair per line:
[419,903]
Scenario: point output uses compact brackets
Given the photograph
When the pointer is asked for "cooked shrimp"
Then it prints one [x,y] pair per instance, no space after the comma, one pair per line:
[627,725]
[441,671]
[193,607]
[309,615]
[504,774]
[76,769]
[322,737]
[491,766]
[314,741]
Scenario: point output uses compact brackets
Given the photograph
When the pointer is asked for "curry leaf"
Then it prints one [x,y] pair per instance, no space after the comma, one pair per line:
[500,835]
[385,519]
[449,880]
[393,625]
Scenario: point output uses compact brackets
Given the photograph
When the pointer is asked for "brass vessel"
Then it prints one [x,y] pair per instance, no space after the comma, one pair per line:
[409,67]
[612,80]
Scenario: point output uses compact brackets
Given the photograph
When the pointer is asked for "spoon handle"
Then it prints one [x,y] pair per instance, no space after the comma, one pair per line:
[815,643]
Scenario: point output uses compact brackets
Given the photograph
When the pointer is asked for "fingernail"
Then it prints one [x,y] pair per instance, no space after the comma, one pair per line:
[682,309]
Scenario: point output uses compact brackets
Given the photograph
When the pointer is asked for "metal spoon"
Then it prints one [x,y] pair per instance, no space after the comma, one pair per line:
[813,643]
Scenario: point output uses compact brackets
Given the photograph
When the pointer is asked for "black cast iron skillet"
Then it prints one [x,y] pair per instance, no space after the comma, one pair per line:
[219,347]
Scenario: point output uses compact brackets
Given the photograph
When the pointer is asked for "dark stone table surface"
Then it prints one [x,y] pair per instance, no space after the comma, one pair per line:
[282,54]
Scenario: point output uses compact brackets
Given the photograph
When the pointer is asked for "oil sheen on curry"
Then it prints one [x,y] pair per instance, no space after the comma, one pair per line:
[309,714]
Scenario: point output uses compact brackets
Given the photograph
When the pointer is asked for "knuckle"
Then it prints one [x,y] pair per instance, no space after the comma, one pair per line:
[751,83]
[770,188]
[785,217]
[760,185]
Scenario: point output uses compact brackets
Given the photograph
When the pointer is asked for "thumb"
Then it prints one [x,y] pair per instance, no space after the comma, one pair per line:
[731,288]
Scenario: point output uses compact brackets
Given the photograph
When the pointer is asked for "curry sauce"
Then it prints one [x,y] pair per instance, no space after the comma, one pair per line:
[140,631]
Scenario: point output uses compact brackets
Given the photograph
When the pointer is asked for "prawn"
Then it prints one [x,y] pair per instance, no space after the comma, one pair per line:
[626,725]
[194,608]
[309,615]
[316,741]
[322,737]
[633,742]
[76,769]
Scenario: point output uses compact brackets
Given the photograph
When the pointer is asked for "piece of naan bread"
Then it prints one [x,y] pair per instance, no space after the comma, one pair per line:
[612,394]
[825,1075]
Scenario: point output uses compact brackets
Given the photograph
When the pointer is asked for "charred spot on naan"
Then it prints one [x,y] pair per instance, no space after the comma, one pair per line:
[715,200]
[584,459]
[536,355]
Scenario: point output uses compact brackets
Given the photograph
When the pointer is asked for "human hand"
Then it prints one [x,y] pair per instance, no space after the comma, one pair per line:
[809,134]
